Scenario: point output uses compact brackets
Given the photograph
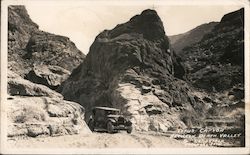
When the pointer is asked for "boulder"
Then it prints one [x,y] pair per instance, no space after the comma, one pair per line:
[50,76]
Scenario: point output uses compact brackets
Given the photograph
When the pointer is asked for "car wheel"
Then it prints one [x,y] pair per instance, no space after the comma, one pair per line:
[129,130]
[110,127]
[91,125]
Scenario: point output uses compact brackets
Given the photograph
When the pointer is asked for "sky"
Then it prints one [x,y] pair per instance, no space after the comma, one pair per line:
[82,23]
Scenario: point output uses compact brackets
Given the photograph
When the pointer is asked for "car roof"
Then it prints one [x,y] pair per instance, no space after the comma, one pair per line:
[106,108]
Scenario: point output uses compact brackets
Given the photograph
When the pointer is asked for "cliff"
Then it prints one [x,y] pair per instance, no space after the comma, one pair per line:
[28,46]
[44,60]
[216,63]
[132,67]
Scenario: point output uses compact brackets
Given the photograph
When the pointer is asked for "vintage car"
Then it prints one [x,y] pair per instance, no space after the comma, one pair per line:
[108,119]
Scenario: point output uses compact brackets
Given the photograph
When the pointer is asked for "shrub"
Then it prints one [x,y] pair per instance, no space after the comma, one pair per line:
[30,113]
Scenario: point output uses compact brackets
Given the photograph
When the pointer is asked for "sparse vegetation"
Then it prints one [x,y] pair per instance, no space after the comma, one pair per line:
[30,114]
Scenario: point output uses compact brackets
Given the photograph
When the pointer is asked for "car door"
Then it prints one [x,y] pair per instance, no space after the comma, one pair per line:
[100,118]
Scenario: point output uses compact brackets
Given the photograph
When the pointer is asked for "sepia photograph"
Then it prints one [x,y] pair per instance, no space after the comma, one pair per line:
[122,77]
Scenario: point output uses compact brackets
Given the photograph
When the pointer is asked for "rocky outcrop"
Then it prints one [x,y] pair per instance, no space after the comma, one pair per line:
[50,76]
[35,116]
[132,68]
[216,63]
[19,86]
[20,29]
[49,49]
[45,60]
[34,110]
[180,41]
[215,66]
[28,46]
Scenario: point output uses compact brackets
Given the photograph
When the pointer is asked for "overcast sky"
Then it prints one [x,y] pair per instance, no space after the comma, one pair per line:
[83,23]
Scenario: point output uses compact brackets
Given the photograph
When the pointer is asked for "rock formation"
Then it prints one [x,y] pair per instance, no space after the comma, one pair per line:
[216,63]
[49,49]
[28,46]
[34,116]
[133,68]
[215,67]
[50,76]
[19,86]
[34,110]
[180,41]
[45,60]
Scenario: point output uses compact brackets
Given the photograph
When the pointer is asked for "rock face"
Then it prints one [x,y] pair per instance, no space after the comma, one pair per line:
[45,60]
[180,41]
[34,110]
[132,68]
[49,49]
[216,63]
[19,86]
[34,116]
[50,76]
[20,28]
[28,46]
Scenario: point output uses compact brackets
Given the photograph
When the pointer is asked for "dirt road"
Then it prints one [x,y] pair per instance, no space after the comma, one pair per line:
[98,140]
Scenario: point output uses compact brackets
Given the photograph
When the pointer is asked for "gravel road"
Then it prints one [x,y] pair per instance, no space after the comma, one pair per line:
[98,140]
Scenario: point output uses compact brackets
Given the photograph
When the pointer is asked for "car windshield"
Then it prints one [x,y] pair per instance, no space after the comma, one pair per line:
[110,112]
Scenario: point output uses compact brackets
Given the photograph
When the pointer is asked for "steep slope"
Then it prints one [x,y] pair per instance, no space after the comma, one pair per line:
[216,63]
[132,68]
[33,108]
[49,49]
[216,66]
[28,46]
[20,29]
[180,41]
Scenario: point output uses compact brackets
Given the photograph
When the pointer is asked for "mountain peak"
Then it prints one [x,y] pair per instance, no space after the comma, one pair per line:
[236,15]
[29,45]
[149,11]
[148,14]
[18,14]
[148,23]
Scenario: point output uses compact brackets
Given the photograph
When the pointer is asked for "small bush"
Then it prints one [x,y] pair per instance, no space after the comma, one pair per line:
[30,114]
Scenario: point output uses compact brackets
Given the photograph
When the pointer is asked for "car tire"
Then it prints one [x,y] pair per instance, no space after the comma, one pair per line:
[110,127]
[91,125]
[129,130]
